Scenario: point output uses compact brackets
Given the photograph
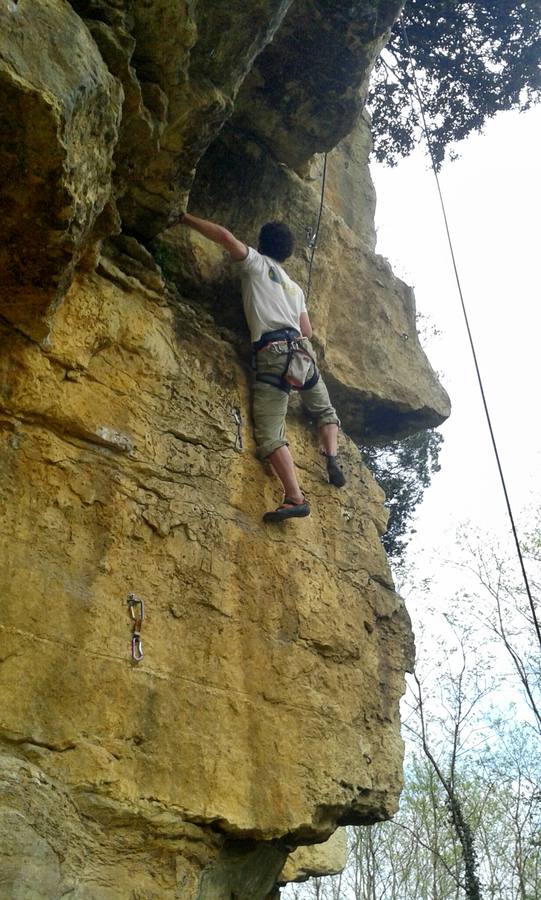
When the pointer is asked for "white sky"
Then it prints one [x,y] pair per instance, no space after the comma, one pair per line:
[493,199]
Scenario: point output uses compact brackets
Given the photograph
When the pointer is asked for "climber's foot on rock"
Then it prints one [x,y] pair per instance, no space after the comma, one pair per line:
[336,476]
[288,509]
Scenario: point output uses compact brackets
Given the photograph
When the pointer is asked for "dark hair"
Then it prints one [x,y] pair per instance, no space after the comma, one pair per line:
[276,241]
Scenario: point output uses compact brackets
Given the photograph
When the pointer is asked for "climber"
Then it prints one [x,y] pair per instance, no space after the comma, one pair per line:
[275,310]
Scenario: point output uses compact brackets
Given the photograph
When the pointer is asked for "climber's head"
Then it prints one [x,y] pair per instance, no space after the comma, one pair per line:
[276,241]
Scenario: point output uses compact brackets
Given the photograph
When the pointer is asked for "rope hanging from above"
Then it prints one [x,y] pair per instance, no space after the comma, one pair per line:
[313,235]
[470,336]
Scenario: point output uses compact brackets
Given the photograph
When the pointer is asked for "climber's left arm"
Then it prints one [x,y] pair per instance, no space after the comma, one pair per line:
[217,233]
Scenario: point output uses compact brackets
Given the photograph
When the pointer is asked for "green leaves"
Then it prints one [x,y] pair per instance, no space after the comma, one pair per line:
[472,60]
[404,469]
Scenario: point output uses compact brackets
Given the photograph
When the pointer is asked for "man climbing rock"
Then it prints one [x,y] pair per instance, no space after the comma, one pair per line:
[275,309]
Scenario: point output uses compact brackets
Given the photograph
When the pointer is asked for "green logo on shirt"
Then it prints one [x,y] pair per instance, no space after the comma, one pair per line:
[275,276]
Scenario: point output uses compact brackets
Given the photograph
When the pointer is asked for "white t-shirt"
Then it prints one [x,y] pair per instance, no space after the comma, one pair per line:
[272,300]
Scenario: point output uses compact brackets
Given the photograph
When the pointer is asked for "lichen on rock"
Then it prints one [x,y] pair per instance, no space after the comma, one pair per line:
[264,712]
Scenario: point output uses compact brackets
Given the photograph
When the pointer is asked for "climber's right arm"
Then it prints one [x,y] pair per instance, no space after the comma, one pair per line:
[217,233]
[306,327]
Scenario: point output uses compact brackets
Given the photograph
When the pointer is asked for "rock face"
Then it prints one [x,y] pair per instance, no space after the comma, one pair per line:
[264,712]
[329,858]
[59,120]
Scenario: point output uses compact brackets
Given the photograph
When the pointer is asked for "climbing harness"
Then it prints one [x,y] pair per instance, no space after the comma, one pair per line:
[237,418]
[470,336]
[298,361]
[137,612]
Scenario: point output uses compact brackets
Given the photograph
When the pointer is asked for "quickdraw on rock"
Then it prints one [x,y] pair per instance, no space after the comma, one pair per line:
[137,612]
[237,418]
[310,236]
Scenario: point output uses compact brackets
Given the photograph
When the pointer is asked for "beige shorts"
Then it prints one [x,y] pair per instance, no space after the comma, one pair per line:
[270,403]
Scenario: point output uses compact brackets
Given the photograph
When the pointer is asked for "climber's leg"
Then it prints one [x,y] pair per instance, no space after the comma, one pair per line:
[318,405]
[294,504]
[282,463]
[329,438]
[269,412]
[269,407]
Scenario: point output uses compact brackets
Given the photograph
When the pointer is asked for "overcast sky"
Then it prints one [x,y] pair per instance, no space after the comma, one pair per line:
[493,200]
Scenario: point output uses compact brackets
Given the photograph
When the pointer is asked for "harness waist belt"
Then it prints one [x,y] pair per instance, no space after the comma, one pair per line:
[270,337]
[289,336]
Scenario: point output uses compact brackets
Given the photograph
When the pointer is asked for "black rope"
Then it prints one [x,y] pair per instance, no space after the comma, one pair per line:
[314,237]
[470,337]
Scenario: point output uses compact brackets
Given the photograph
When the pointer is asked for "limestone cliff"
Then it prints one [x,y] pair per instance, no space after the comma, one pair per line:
[265,710]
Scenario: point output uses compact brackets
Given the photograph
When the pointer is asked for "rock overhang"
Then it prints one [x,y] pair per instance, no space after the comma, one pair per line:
[59,116]
[307,88]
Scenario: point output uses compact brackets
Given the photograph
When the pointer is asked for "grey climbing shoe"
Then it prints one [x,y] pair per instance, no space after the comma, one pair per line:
[288,509]
[336,476]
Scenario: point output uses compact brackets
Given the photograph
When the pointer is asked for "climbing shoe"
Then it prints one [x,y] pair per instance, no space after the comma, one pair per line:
[336,476]
[288,509]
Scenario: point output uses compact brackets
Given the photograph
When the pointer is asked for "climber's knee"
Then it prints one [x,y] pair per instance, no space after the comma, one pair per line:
[266,450]
[318,405]
[329,417]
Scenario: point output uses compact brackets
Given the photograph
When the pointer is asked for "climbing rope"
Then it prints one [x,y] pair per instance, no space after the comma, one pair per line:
[137,613]
[313,235]
[470,336]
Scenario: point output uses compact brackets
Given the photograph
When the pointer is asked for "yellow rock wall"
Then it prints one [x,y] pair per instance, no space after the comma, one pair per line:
[265,710]
[266,702]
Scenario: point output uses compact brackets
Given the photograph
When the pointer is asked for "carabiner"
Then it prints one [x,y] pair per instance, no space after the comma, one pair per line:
[138,617]
[136,647]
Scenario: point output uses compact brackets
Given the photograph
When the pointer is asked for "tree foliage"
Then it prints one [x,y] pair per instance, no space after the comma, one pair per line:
[404,469]
[417,855]
[469,823]
[472,61]
[499,603]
